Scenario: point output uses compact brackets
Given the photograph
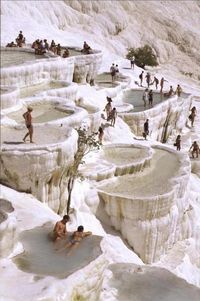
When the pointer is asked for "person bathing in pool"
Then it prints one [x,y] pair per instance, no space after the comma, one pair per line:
[76,238]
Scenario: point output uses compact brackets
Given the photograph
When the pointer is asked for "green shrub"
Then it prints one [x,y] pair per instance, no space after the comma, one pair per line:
[143,56]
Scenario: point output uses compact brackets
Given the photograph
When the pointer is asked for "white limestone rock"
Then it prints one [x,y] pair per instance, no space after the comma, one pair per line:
[40,169]
[156,211]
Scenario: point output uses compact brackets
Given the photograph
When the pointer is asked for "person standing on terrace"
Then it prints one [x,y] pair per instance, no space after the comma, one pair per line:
[162,84]
[195,149]
[141,77]
[113,72]
[156,81]
[132,62]
[112,117]
[145,96]
[108,107]
[28,122]
[178,90]
[148,79]
[178,143]
[146,129]
[192,115]
[151,98]
[100,134]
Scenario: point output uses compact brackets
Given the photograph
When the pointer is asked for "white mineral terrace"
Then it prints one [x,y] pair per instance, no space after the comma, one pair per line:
[118,159]
[25,72]
[38,167]
[148,202]
[9,96]
[11,137]
[42,87]
[164,117]
[48,110]
[140,198]
[10,57]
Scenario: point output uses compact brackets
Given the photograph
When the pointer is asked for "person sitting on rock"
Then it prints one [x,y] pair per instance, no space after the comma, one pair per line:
[28,122]
[66,53]
[192,115]
[146,129]
[178,90]
[60,231]
[46,45]
[112,117]
[76,238]
[20,39]
[170,93]
[195,149]
[53,47]
[86,48]
[58,50]
[178,143]
[12,44]
[36,44]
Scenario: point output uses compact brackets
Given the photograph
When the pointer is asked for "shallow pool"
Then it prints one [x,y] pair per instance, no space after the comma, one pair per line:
[134,97]
[41,113]
[12,58]
[124,155]
[35,89]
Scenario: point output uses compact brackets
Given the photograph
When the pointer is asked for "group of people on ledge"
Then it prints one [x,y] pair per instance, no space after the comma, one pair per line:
[42,46]
[195,149]
[72,241]
[158,82]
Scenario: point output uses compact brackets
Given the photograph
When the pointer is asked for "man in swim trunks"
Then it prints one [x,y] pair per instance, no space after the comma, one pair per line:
[76,238]
[28,122]
[60,231]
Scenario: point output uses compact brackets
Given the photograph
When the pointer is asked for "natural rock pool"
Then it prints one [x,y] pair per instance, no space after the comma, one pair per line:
[12,58]
[41,113]
[35,89]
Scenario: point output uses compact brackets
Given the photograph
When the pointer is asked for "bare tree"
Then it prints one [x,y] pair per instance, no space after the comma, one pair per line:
[86,143]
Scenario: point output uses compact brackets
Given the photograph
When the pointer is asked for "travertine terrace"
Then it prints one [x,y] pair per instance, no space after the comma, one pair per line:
[139,198]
